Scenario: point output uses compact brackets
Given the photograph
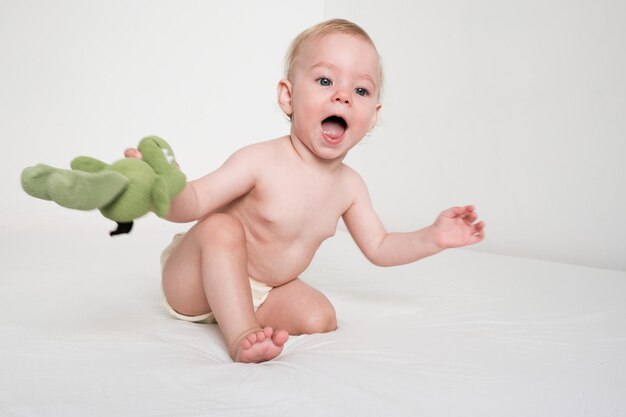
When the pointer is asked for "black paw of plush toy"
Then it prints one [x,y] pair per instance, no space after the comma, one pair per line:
[123,191]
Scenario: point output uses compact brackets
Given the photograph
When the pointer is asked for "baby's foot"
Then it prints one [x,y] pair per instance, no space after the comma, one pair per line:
[259,345]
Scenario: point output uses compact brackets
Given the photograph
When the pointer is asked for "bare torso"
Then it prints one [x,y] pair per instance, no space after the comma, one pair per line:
[290,211]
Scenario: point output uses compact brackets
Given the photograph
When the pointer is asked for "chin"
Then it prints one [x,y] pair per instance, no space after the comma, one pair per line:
[331,153]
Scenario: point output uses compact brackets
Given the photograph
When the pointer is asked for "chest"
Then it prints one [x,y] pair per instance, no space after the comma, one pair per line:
[299,206]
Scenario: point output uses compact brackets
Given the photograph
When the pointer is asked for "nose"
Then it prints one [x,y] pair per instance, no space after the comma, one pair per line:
[342,97]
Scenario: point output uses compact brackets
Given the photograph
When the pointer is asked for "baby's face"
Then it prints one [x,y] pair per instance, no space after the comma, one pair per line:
[334,93]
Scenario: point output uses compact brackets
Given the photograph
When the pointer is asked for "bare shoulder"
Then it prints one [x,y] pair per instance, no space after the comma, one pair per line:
[350,177]
[272,145]
[353,182]
[257,152]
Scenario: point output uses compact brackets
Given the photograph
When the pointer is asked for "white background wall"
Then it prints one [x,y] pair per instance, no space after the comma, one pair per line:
[517,107]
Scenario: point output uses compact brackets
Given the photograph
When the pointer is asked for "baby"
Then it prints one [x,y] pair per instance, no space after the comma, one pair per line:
[264,213]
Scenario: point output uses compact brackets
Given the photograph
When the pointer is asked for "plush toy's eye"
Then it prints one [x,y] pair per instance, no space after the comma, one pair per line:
[168,155]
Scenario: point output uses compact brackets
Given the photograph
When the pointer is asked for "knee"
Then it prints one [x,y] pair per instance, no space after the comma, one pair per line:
[320,320]
[222,229]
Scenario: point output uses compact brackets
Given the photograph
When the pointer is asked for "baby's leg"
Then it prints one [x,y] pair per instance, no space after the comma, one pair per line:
[297,308]
[208,272]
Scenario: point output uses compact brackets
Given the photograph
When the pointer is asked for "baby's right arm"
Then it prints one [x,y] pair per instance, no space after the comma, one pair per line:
[202,196]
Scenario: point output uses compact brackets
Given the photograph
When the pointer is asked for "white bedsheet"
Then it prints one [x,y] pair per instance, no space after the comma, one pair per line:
[465,333]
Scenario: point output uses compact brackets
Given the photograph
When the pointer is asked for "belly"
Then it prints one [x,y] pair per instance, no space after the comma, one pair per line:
[282,243]
[277,264]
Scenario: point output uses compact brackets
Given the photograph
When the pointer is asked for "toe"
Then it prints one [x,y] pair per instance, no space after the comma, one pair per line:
[252,338]
[245,344]
[280,337]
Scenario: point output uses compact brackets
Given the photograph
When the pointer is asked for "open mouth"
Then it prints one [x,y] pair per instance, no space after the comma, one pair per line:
[334,127]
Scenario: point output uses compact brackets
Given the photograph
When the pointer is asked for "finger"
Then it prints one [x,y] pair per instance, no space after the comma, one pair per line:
[466,210]
[132,153]
[470,218]
[454,212]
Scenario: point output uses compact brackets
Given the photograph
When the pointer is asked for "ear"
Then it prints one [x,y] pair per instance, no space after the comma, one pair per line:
[374,117]
[284,97]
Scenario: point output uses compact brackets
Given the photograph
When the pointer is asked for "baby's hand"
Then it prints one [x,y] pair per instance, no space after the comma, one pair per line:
[457,227]
[132,153]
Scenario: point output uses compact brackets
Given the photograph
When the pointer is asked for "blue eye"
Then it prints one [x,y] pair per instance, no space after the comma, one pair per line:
[324,82]
[361,91]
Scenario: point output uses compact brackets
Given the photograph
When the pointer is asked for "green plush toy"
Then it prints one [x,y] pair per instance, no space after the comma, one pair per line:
[123,191]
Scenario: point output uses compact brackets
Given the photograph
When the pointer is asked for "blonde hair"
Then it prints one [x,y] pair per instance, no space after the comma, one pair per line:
[321,29]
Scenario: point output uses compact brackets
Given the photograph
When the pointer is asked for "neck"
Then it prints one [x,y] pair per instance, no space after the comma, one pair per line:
[311,159]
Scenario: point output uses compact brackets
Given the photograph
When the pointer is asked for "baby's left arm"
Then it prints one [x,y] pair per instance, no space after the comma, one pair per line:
[454,227]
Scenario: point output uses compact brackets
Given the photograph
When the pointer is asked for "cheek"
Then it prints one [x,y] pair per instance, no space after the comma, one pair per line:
[367,120]
[372,118]
[306,112]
